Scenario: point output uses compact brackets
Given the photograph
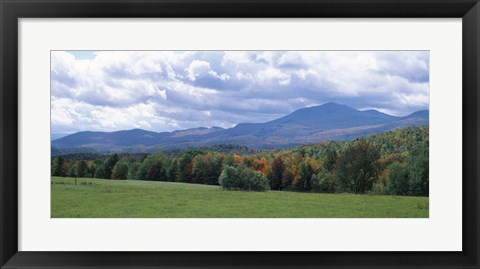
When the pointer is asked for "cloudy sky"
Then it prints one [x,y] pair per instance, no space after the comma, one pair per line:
[171,90]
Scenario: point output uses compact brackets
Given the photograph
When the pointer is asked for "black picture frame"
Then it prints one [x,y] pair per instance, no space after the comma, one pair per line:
[12,10]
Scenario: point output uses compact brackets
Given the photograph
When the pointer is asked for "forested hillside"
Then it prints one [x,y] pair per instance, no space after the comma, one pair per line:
[393,162]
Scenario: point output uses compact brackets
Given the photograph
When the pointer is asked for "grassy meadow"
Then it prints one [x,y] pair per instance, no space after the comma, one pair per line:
[102,198]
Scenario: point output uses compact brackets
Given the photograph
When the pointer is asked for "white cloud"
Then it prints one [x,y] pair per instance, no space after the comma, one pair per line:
[197,68]
[291,59]
[201,69]
[267,74]
[167,90]
[236,57]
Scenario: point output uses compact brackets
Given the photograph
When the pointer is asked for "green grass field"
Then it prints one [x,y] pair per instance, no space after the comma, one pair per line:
[101,198]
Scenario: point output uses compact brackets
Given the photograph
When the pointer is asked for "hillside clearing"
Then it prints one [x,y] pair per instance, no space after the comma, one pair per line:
[101,198]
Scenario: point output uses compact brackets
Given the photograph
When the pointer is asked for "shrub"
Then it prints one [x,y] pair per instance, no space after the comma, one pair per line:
[242,178]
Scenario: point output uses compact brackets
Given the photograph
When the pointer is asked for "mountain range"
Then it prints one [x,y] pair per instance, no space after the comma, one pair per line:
[315,124]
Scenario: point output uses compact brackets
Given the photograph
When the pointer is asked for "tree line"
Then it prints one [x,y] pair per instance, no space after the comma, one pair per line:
[394,162]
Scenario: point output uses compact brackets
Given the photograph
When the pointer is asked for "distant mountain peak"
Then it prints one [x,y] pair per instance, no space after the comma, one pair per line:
[328,107]
[332,104]
[329,121]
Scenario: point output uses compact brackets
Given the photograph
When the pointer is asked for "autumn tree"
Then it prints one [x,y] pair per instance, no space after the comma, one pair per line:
[261,165]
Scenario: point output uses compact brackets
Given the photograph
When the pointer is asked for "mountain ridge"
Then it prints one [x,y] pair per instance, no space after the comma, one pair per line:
[330,121]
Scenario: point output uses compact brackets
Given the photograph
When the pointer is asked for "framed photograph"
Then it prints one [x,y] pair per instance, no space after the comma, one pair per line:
[239,134]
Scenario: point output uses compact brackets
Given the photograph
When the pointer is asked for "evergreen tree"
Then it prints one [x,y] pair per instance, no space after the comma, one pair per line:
[108,165]
[82,169]
[58,167]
